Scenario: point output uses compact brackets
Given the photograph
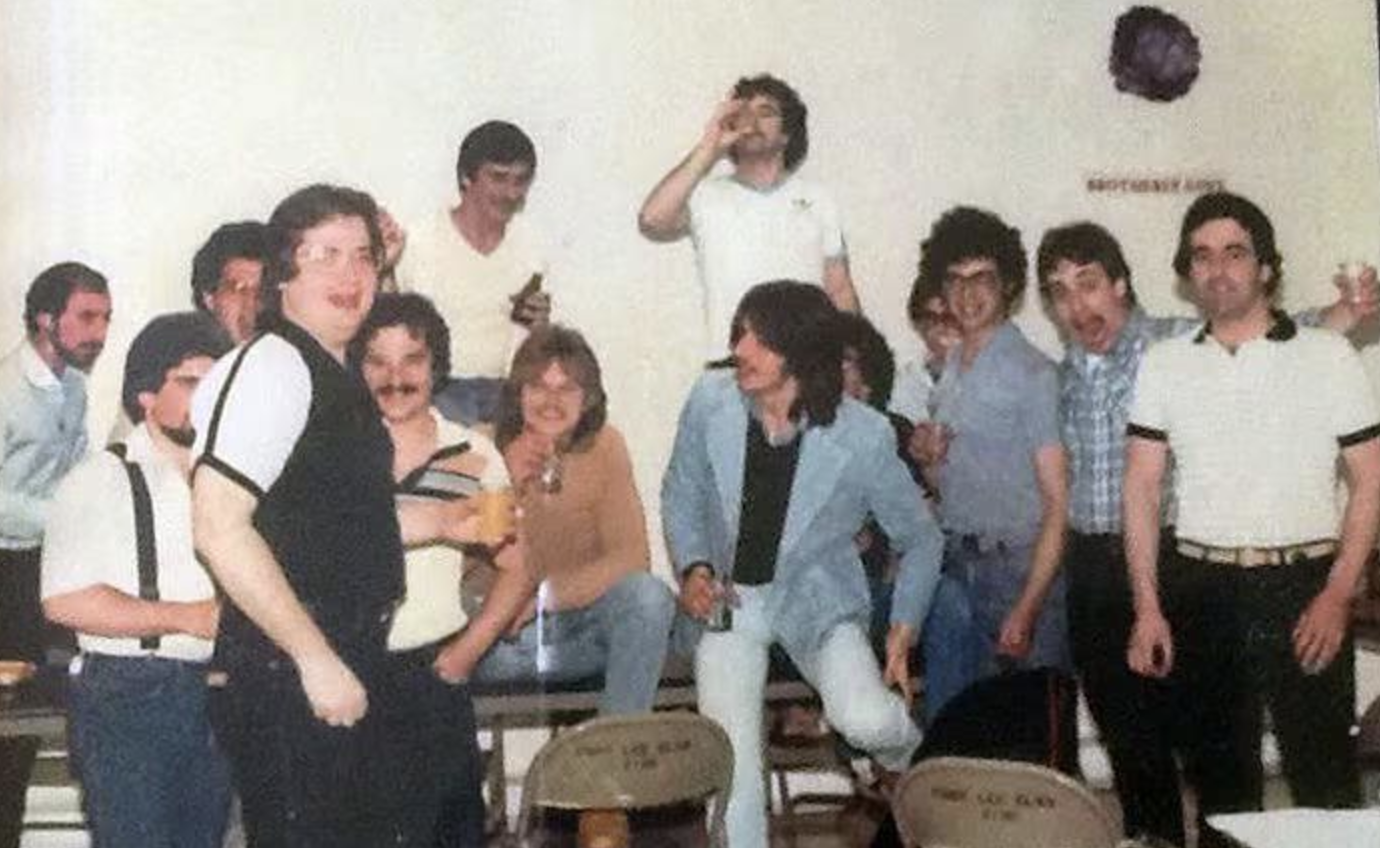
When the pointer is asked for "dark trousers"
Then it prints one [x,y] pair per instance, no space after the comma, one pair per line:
[1234,658]
[21,638]
[1312,713]
[152,775]
[1134,714]
[407,774]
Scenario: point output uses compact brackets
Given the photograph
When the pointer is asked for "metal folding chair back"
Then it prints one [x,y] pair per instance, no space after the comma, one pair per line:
[632,762]
[959,802]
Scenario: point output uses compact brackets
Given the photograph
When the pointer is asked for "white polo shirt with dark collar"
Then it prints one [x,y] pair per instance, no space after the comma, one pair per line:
[1256,432]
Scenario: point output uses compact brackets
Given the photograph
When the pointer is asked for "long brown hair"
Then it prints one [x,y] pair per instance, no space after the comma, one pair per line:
[558,344]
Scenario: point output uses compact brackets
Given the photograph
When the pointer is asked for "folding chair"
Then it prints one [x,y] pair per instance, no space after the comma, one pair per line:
[629,763]
[959,802]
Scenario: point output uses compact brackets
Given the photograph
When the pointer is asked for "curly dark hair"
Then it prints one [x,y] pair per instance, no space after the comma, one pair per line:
[964,233]
[797,321]
[793,113]
[418,315]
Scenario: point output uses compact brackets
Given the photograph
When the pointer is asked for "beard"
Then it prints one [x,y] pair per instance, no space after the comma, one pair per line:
[183,437]
[81,357]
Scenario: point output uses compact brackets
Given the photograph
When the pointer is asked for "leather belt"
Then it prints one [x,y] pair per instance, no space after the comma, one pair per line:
[1256,557]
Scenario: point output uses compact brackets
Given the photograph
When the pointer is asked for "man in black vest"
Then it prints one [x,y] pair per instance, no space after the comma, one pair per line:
[293,510]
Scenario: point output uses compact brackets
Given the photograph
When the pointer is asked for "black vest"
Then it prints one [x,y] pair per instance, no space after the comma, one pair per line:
[330,518]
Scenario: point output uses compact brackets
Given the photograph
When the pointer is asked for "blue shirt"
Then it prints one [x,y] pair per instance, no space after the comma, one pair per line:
[1002,410]
[42,435]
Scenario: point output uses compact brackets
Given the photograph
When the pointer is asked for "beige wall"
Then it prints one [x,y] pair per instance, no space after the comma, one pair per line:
[129,128]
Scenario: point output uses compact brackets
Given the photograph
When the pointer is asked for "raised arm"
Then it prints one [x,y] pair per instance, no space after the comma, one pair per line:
[665,214]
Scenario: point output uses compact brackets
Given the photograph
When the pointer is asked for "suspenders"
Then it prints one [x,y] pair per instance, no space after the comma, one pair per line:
[144,538]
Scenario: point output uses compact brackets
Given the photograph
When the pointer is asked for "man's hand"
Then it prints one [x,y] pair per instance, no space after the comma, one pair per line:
[532,309]
[1151,652]
[394,240]
[201,618]
[699,591]
[525,456]
[1319,633]
[724,128]
[929,443]
[897,672]
[336,695]
[1014,639]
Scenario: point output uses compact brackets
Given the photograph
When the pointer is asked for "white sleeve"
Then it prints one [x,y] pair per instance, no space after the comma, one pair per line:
[92,502]
[831,228]
[250,411]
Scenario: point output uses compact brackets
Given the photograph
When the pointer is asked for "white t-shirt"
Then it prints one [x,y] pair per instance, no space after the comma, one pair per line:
[1256,434]
[91,540]
[432,608]
[471,290]
[744,236]
[911,391]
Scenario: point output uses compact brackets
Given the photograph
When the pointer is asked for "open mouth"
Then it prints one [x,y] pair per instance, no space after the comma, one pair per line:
[346,301]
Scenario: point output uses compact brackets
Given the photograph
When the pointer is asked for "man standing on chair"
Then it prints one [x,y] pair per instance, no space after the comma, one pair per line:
[760,222]
[773,473]
[119,569]
[1258,412]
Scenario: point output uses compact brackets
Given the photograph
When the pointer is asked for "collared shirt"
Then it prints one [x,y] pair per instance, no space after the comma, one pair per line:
[432,609]
[42,436]
[1002,410]
[92,540]
[1256,432]
[1095,400]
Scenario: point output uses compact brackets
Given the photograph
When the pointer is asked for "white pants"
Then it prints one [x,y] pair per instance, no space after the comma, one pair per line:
[731,673]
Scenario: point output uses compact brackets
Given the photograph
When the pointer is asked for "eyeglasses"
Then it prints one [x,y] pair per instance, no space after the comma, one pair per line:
[985,277]
[238,287]
[330,257]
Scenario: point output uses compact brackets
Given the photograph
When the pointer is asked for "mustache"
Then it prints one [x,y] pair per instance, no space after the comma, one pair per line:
[401,389]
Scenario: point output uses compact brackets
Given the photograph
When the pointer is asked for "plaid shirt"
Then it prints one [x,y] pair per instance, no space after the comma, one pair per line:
[1095,400]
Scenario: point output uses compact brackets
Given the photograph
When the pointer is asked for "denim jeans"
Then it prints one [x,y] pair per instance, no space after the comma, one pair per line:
[731,674]
[152,775]
[623,636]
[980,585]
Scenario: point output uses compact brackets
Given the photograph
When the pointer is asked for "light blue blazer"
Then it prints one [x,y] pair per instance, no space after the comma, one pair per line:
[846,471]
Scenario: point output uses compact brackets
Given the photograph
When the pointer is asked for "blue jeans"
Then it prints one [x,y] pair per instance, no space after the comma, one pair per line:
[731,675]
[980,585]
[151,773]
[622,635]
